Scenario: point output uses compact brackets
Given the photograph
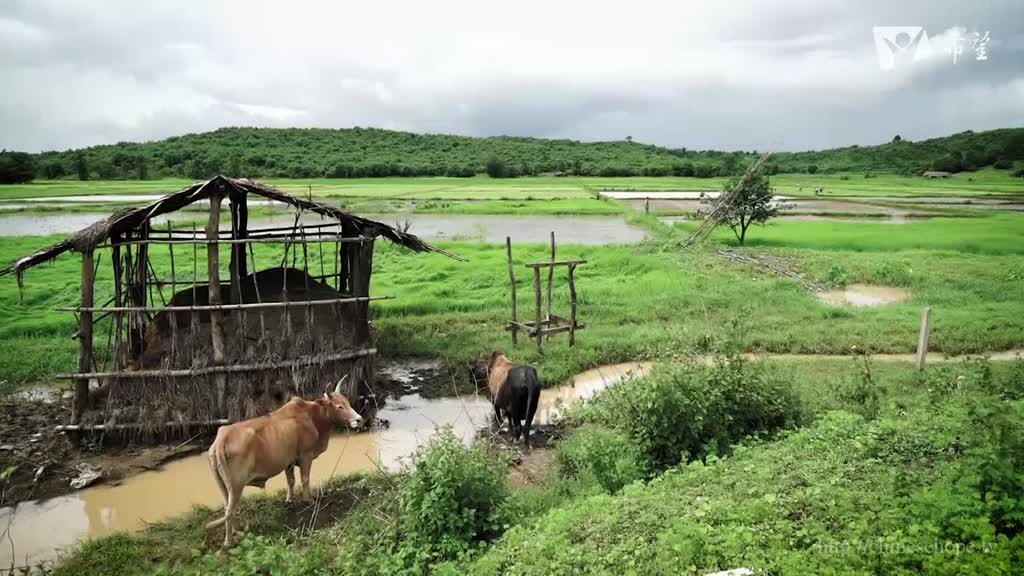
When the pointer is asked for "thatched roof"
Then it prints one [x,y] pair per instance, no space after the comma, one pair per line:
[129,219]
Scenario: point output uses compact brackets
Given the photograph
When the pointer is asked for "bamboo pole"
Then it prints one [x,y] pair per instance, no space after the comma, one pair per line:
[572,303]
[221,307]
[226,369]
[512,282]
[216,313]
[560,263]
[118,299]
[537,295]
[173,318]
[110,427]
[551,272]
[81,403]
[259,239]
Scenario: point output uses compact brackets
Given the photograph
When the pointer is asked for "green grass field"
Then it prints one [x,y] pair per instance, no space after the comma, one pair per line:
[982,182]
[970,271]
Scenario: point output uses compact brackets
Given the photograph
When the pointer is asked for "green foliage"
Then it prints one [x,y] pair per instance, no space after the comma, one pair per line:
[257,555]
[913,491]
[838,275]
[451,499]
[893,273]
[861,393]
[750,201]
[681,413]
[497,168]
[16,167]
[370,152]
[600,456]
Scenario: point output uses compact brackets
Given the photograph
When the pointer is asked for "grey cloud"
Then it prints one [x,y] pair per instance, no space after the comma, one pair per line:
[793,74]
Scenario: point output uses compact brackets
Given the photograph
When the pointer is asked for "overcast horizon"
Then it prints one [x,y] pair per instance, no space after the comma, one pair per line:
[790,75]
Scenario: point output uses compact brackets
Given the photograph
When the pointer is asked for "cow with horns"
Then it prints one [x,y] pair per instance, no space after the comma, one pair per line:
[251,452]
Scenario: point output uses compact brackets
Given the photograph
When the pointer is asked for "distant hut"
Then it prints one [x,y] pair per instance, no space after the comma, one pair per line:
[171,346]
[936,174]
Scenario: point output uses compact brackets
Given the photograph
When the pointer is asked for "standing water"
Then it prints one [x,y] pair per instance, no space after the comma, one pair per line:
[40,530]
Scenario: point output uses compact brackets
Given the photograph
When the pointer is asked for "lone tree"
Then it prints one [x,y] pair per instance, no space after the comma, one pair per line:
[745,201]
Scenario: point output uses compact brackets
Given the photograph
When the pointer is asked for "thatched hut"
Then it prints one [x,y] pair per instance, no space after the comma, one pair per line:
[175,347]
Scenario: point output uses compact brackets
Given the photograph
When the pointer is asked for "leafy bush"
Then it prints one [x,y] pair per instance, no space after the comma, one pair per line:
[862,393]
[687,412]
[837,275]
[892,273]
[452,498]
[600,456]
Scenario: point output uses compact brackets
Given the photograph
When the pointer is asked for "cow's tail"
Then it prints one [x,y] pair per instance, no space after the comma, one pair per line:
[219,467]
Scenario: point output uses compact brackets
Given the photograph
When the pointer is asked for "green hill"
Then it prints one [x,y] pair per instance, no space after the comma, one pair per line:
[370,152]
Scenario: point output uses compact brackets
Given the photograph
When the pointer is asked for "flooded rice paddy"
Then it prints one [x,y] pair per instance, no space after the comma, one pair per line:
[476,228]
[39,530]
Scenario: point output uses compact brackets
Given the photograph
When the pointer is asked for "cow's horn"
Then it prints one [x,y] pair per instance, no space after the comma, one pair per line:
[337,388]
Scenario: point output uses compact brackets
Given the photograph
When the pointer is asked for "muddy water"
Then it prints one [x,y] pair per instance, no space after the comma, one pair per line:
[41,529]
[863,296]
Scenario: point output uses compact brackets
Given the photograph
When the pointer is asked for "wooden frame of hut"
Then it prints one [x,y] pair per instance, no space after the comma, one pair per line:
[218,351]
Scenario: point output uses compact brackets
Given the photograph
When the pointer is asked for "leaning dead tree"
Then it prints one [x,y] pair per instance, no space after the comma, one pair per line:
[200,327]
[727,203]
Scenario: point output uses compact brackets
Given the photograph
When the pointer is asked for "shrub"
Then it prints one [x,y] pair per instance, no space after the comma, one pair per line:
[600,456]
[893,273]
[687,412]
[451,499]
[838,275]
[861,393]
[1003,164]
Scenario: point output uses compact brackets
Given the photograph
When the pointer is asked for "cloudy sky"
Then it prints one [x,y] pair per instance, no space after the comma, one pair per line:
[778,75]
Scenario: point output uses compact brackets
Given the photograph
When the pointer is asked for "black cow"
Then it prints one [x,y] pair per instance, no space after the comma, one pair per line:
[514,390]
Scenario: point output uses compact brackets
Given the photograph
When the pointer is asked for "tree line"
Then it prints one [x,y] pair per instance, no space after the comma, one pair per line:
[371,152]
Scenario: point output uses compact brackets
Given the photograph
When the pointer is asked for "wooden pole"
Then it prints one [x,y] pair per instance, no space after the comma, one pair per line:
[216,315]
[922,338]
[118,301]
[537,315]
[512,282]
[551,273]
[141,267]
[81,403]
[572,302]
[174,291]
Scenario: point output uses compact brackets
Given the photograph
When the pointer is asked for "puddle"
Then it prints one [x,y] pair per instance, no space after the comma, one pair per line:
[41,529]
[864,296]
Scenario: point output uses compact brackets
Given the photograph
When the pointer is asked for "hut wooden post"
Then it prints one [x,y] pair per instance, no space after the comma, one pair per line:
[238,267]
[216,316]
[115,250]
[512,282]
[139,294]
[572,303]
[551,273]
[537,327]
[81,403]
[361,264]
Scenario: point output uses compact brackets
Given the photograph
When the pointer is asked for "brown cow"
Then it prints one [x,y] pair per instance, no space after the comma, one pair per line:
[251,452]
[514,390]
